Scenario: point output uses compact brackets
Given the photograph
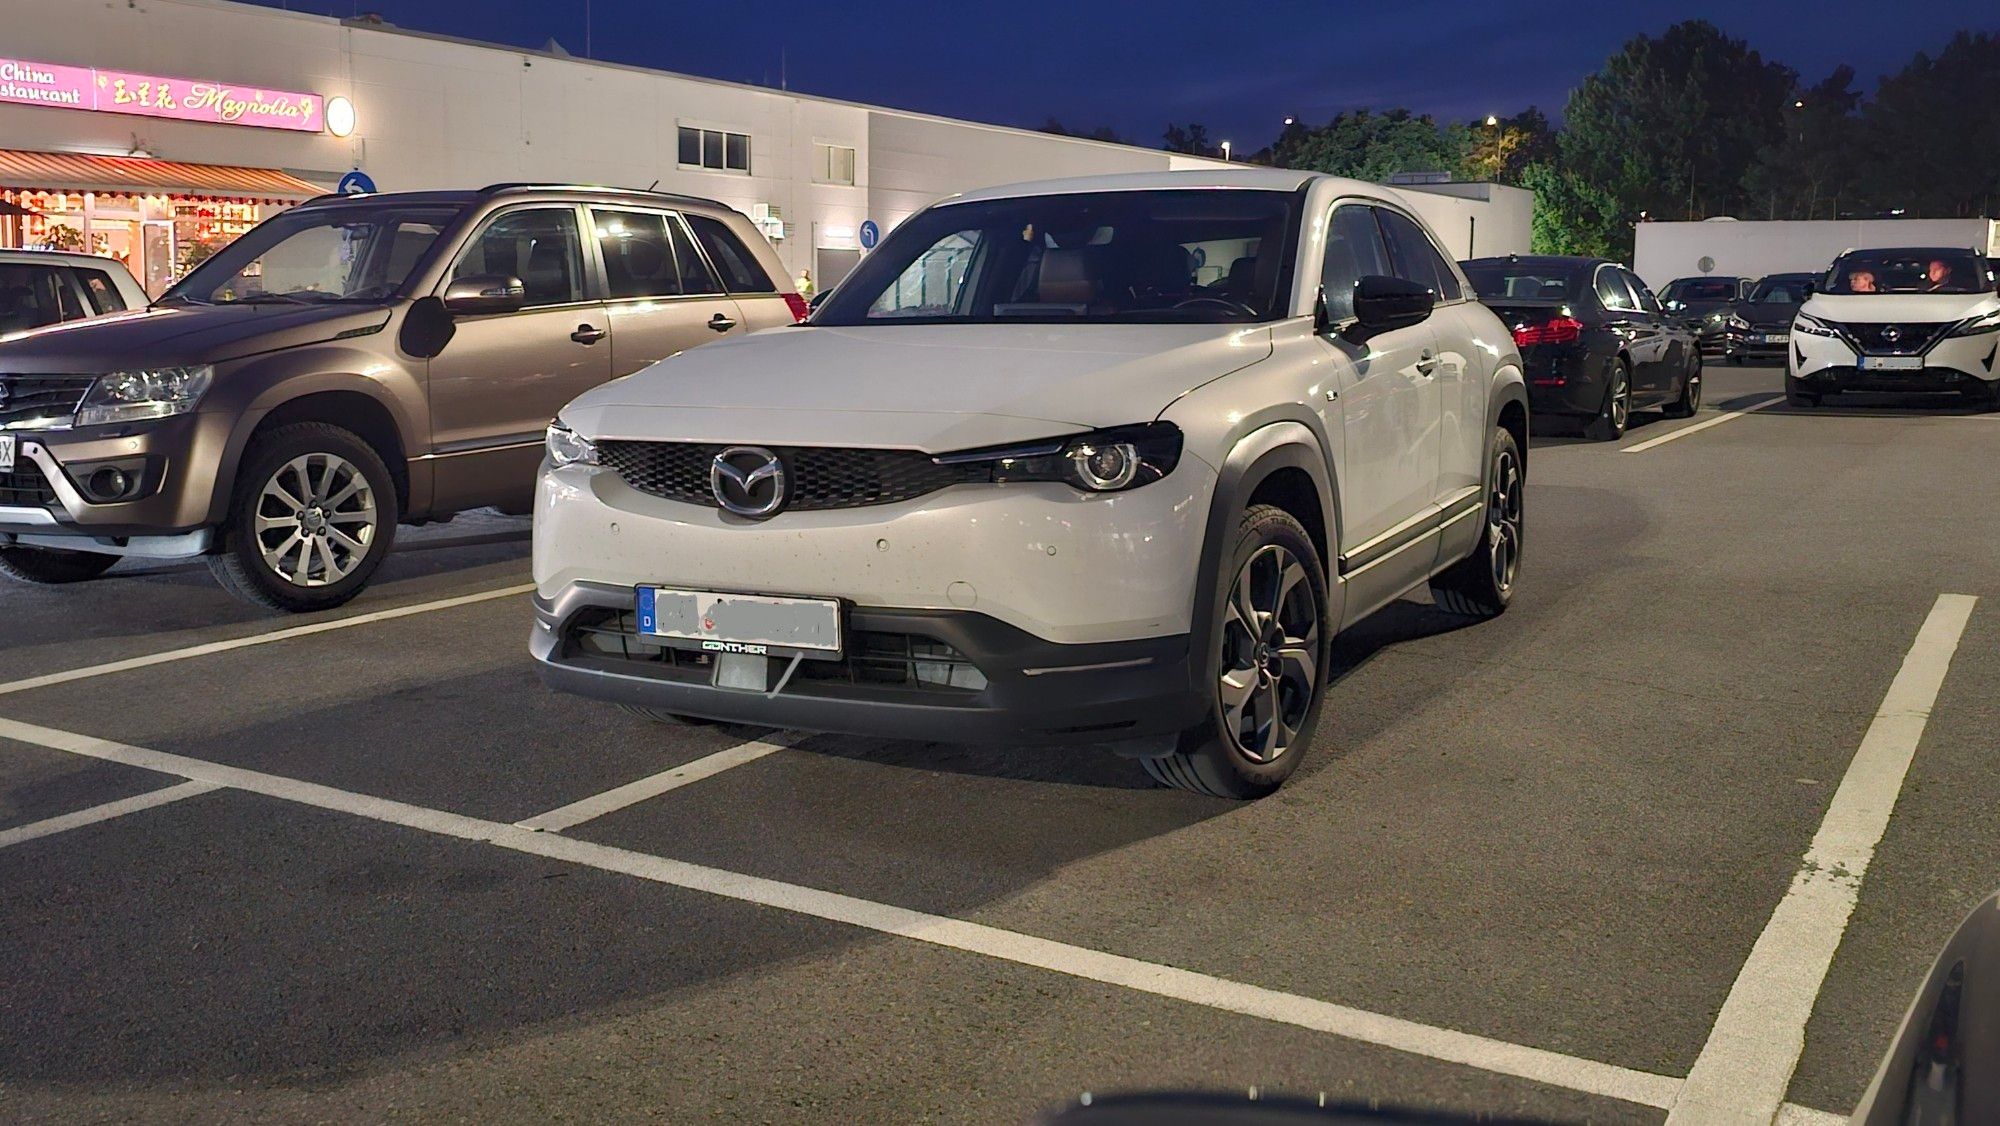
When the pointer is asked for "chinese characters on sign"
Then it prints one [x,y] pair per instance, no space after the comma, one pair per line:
[114,91]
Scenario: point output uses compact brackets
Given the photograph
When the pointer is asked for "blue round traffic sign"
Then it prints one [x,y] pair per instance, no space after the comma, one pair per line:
[356,182]
[870,234]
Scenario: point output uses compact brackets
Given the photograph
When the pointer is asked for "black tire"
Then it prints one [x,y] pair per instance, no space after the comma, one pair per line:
[1210,757]
[1796,394]
[331,573]
[1616,413]
[671,719]
[1482,584]
[1690,400]
[53,567]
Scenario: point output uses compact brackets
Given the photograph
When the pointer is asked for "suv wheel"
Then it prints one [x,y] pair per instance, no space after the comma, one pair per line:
[313,514]
[1481,584]
[1690,400]
[1609,425]
[1270,665]
[53,567]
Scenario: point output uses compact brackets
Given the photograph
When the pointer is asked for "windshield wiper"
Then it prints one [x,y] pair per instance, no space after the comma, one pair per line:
[180,299]
[268,299]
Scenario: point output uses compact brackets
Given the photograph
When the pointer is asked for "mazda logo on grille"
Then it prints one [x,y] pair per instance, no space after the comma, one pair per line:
[749,481]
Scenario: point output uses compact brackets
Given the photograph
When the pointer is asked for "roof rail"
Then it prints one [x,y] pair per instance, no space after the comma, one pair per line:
[534,185]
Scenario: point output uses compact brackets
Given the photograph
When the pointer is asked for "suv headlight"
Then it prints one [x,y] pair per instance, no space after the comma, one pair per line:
[567,447]
[1737,322]
[1974,326]
[134,396]
[1103,461]
[1813,326]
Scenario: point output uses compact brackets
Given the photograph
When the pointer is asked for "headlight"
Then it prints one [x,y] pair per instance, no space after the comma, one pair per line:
[1973,326]
[1738,322]
[134,396]
[1813,326]
[567,447]
[1715,318]
[1104,461]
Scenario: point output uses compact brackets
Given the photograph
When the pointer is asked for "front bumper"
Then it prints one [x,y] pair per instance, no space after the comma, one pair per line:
[1761,342]
[46,501]
[1953,364]
[932,675]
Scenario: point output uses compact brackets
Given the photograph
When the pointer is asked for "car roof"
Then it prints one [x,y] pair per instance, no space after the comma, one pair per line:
[461,198]
[1913,250]
[56,257]
[1539,260]
[1267,179]
[1790,275]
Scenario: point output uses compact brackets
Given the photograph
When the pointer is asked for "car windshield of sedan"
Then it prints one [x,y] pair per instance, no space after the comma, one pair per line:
[1699,289]
[1774,291]
[316,255]
[1910,271]
[1500,281]
[1145,257]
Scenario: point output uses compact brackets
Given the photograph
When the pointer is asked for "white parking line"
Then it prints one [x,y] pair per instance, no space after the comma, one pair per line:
[128,664]
[1792,1114]
[150,800]
[652,786]
[1746,1067]
[1497,1056]
[1684,431]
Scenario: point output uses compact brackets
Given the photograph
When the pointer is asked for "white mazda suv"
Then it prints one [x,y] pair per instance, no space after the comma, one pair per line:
[1908,320]
[1093,461]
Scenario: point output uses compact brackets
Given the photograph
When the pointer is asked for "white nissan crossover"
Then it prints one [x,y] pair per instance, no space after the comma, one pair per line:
[1917,320]
[1093,461]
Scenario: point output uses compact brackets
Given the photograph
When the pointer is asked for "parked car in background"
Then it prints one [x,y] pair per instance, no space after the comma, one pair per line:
[1702,306]
[1906,320]
[1595,343]
[351,363]
[1759,326]
[39,288]
[1027,477]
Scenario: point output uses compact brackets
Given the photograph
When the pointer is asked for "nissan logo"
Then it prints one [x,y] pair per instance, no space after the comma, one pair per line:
[749,481]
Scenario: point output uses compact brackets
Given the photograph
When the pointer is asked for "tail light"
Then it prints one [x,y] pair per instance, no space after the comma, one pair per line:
[800,310]
[1556,330]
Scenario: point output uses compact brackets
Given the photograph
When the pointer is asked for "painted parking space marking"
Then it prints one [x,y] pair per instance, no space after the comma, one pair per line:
[152,799]
[1745,1069]
[1496,1056]
[68,676]
[1684,431]
[652,786]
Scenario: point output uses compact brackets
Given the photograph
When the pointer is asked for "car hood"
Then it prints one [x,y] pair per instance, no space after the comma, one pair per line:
[1904,308]
[934,388]
[180,334]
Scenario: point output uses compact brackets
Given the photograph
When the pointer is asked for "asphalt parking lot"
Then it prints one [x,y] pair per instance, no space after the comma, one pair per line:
[256,867]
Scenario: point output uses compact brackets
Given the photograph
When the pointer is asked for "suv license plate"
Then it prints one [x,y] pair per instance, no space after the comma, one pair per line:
[1773,337]
[6,453]
[756,624]
[1892,363]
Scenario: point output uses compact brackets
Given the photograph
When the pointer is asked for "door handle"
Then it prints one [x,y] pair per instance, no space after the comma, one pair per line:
[587,334]
[721,322]
[1426,365]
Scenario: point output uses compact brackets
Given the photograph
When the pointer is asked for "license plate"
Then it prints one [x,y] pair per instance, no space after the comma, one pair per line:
[6,453]
[1774,338]
[755,624]
[1892,363]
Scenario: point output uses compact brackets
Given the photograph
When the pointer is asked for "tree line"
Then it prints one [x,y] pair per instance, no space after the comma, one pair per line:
[1692,124]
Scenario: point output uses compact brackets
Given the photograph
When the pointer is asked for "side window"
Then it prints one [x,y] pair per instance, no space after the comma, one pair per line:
[696,277]
[933,285]
[739,267]
[638,254]
[538,245]
[68,299]
[1354,251]
[103,293]
[1611,290]
[1647,300]
[27,299]
[1408,250]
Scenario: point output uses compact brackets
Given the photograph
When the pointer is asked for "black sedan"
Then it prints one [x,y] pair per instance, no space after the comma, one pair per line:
[1703,304]
[1760,325]
[1594,340]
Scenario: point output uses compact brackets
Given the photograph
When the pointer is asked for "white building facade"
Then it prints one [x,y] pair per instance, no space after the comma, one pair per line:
[155,131]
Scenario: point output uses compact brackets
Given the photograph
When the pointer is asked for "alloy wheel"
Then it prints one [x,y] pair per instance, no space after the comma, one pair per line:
[1621,400]
[315,520]
[1503,520]
[1270,654]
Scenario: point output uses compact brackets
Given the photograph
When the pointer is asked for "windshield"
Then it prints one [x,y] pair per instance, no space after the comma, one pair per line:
[360,254]
[1689,290]
[1145,257]
[1910,271]
[1499,281]
[1780,291]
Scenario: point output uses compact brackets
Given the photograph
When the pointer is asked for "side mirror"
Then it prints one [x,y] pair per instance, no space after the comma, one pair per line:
[484,293]
[1383,304]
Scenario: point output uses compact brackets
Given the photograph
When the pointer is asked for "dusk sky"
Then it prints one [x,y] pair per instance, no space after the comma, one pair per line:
[1239,68]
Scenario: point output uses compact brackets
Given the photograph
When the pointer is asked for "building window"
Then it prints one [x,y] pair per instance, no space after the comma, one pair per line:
[714,149]
[833,164]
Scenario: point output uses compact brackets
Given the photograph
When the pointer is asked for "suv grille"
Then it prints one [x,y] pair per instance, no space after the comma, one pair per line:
[891,660]
[24,485]
[819,476]
[41,402]
[1903,339]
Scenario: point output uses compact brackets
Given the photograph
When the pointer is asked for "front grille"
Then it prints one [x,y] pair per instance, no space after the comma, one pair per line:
[818,477]
[40,402]
[24,486]
[1891,339]
[891,660]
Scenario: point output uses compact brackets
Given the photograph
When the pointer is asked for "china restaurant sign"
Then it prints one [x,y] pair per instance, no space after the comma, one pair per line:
[149,95]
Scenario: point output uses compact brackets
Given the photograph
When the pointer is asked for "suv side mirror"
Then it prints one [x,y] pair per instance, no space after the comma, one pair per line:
[1383,304]
[485,293]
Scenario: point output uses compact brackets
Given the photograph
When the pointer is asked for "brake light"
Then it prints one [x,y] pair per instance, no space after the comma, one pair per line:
[800,310]
[1556,330]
